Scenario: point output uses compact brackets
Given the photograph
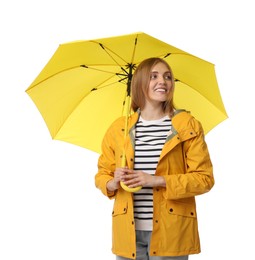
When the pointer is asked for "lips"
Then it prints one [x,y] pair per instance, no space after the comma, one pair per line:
[163,90]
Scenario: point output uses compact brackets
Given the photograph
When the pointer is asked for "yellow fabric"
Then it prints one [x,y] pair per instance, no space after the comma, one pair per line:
[74,112]
[175,218]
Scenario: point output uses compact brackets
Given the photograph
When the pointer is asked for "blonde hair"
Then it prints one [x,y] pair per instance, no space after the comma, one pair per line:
[140,84]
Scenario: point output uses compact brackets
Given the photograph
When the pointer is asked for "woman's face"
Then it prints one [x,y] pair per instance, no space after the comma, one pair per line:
[160,84]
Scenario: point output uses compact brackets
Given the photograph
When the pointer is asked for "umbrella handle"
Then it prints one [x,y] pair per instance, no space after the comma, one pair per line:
[125,187]
[123,159]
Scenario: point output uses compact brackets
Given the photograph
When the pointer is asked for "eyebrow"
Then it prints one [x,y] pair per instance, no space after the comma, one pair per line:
[155,71]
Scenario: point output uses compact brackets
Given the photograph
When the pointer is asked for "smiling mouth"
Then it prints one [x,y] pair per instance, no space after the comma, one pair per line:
[163,90]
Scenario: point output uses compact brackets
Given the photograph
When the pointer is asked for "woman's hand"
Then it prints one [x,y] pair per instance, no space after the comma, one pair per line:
[119,174]
[133,179]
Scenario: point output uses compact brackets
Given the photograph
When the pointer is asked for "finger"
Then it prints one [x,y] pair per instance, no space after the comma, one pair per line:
[132,183]
[130,176]
[130,171]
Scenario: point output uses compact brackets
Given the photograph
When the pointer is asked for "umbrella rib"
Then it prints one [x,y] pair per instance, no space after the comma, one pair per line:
[84,66]
[104,86]
[183,53]
[92,68]
[79,102]
[120,75]
[108,50]
[195,90]
[59,72]
[134,50]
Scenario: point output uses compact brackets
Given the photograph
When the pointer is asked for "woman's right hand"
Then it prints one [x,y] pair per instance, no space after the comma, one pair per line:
[119,174]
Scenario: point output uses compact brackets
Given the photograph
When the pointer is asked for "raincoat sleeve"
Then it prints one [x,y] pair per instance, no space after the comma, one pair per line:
[106,164]
[198,176]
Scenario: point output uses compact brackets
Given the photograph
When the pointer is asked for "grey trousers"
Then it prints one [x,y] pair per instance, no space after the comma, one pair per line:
[142,249]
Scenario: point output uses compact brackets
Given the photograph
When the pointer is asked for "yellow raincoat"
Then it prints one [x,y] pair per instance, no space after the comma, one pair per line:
[186,166]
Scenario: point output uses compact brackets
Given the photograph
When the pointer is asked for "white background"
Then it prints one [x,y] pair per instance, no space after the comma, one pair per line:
[49,207]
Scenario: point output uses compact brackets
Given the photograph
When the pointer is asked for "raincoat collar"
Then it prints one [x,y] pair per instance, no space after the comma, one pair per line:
[134,118]
[176,134]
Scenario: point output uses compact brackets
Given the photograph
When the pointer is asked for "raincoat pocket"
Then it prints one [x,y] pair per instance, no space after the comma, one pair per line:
[182,207]
[119,208]
[123,231]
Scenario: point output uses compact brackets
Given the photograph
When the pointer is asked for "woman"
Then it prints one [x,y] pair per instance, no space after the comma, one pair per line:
[165,154]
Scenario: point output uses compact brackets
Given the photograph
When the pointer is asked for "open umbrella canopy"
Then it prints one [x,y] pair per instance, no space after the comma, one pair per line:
[85,85]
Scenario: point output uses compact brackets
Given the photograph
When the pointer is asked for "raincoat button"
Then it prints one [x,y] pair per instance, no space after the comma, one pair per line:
[191,213]
[132,222]
[124,209]
[154,253]
[131,159]
[112,212]
[171,210]
[133,254]
[156,221]
[191,133]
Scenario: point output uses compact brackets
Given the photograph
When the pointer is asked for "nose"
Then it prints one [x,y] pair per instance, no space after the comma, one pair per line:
[161,79]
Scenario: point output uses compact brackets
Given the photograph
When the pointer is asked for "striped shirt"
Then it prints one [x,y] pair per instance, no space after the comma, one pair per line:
[150,137]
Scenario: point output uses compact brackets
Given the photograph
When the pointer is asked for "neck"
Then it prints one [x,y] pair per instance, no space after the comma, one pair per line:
[152,113]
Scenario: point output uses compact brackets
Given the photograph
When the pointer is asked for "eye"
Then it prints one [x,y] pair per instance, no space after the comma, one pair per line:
[167,76]
[153,76]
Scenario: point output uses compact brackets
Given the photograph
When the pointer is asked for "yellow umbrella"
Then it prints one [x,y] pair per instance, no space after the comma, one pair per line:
[85,85]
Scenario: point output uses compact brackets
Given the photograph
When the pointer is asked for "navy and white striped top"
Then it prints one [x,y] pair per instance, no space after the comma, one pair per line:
[150,138]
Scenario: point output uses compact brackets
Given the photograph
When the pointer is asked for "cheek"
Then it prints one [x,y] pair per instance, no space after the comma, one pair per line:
[171,92]
[170,87]
[150,90]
